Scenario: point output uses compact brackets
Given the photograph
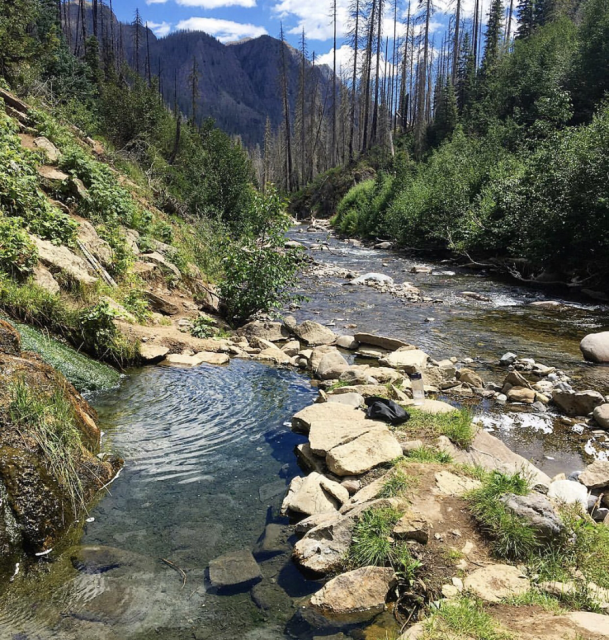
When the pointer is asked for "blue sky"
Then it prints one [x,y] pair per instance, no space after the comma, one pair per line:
[230,20]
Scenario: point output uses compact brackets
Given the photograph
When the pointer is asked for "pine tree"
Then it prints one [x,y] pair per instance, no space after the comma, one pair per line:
[466,76]
[286,111]
[193,79]
[355,16]
[526,18]
[494,30]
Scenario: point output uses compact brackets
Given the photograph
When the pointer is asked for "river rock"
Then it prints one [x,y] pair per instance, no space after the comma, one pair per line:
[292,348]
[406,359]
[601,415]
[497,581]
[271,331]
[467,376]
[412,526]
[391,344]
[386,375]
[515,379]
[325,413]
[521,394]
[93,559]
[369,450]
[313,333]
[238,569]
[208,357]
[537,511]
[331,366]
[347,342]
[595,347]
[360,593]
[354,400]
[356,375]
[435,407]
[273,354]
[569,492]
[374,278]
[324,436]
[61,259]
[314,494]
[596,475]
[577,404]
[152,353]
[508,359]
[272,542]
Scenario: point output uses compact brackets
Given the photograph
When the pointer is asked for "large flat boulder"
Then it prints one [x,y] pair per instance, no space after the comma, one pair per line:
[88,237]
[595,347]
[162,304]
[391,344]
[62,260]
[601,415]
[313,333]
[325,413]
[569,492]
[324,436]
[359,594]
[44,279]
[236,570]
[406,359]
[577,404]
[152,353]
[497,581]
[491,454]
[369,450]
[314,494]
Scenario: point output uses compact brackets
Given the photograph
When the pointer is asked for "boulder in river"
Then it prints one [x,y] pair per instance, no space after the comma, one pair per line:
[569,492]
[372,278]
[596,475]
[359,594]
[237,570]
[314,494]
[391,344]
[595,347]
[325,413]
[314,334]
[601,415]
[579,403]
[406,359]
[272,331]
[331,366]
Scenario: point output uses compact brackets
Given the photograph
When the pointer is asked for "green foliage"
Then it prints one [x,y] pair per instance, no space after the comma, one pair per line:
[464,618]
[257,270]
[16,42]
[51,421]
[203,327]
[353,207]
[18,254]
[20,194]
[512,537]
[397,484]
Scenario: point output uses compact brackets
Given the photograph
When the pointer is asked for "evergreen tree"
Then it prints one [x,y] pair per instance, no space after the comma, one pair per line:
[16,44]
[494,29]
[466,77]
[526,18]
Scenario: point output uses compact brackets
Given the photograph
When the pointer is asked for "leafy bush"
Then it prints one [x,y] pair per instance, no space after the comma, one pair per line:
[353,207]
[203,327]
[258,271]
[18,254]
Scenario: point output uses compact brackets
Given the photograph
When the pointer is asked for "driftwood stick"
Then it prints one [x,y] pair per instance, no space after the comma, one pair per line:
[176,568]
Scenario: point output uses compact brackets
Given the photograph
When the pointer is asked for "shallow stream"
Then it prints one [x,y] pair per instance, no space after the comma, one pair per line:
[209,454]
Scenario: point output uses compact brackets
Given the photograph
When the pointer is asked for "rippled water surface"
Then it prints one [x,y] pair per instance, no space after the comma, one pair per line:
[208,457]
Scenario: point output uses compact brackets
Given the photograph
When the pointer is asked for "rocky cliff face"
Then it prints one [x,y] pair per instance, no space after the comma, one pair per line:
[48,441]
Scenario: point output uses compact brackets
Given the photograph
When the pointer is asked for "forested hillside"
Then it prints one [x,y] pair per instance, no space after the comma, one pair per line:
[498,148]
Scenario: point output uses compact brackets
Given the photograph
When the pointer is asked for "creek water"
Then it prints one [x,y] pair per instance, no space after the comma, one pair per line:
[208,456]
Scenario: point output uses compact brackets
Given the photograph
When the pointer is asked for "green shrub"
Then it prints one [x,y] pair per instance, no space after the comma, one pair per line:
[397,484]
[18,254]
[203,327]
[457,425]
[353,207]
[428,454]
[371,542]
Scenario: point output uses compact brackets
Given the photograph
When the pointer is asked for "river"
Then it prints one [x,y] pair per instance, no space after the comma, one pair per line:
[209,454]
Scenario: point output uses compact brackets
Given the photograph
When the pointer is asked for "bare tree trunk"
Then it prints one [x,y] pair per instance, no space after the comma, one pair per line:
[286,113]
[354,83]
[148,65]
[368,71]
[333,154]
[379,36]
[509,23]
[421,91]
[456,44]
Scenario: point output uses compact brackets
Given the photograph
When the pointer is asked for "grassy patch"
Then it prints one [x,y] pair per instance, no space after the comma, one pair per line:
[372,543]
[429,454]
[464,618]
[50,420]
[397,484]
[511,537]
[536,598]
[457,426]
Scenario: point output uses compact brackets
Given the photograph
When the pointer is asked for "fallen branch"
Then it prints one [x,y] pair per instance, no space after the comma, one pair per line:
[176,568]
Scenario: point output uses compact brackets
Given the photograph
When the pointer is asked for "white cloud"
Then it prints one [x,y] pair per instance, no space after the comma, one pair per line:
[344,61]
[315,17]
[156,1]
[215,4]
[160,29]
[223,30]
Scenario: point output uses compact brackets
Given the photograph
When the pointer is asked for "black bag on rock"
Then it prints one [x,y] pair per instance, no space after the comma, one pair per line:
[386,410]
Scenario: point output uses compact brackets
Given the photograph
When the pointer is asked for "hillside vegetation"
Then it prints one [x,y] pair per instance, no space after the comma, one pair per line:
[513,168]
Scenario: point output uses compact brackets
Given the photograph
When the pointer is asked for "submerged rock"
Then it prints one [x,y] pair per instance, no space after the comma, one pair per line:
[236,570]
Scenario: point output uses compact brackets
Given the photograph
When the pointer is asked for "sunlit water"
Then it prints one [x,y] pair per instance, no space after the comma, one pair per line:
[208,456]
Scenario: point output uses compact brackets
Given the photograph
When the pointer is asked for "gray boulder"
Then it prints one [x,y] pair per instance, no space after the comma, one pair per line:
[313,333]
[331,366]
[595,347]
[577,404]
[596,475]
[537,511]
[601,415]
[391,344]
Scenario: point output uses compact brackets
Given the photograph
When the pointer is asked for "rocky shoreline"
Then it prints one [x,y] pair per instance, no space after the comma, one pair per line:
[350,462]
